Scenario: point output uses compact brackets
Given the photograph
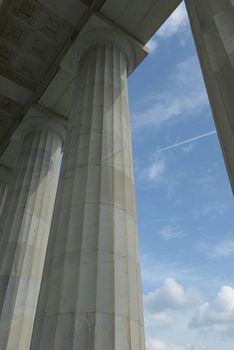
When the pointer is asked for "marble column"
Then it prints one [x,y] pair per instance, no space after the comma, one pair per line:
[90,297]
[212,23]
[25,225]
[5,180]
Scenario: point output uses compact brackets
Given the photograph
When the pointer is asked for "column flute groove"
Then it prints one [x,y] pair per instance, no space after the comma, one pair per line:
[5,182]
[25,230]
[212,24]
[90,292]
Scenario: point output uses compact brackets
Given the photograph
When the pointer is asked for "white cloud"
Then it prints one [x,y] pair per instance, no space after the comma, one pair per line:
[169,232]
[169,107]
[158,321]
[178,318]
[171,295]
[211,208]
[176,23]
[225,300]
[155,174]
[188,148]
[183,95]
[225,248]
[216,314]
[152,44]
[158,344]
[155,171]
[220,250]
[207,182]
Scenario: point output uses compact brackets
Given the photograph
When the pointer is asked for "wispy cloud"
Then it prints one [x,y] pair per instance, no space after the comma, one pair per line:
[154,173]
[210,209]
[152,44]
[169,232]
[188,148]
[159,172]
[159,320]
[207,182]
[182,96]
[221,250]
[226,248]
[155,270]
[187,141]
[177,23]
[156,343]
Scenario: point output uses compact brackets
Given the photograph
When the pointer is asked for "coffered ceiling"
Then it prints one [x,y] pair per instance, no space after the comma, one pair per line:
[31,36]
[36,35]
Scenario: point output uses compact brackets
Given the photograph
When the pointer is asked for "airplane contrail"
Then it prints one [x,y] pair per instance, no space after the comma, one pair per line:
[187,141]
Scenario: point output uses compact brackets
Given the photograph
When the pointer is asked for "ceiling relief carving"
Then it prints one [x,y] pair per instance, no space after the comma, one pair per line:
[30,38]
[26,10]
[8,106]
[35,36]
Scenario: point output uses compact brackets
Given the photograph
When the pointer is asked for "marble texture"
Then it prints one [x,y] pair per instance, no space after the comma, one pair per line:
[90,297]
[24,231]
[212,23]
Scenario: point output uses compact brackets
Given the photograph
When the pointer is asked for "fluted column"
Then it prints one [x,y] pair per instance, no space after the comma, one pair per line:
[212,23]
[5,180]
[91,290]
[25,225]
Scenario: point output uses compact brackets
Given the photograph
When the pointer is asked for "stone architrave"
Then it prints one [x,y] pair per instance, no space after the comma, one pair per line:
[5,180]
[91,296]
[25,225]
[212,23]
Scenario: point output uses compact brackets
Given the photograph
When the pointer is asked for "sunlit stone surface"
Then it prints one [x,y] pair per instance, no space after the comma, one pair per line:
[91,290]
[212,23]
[25,225]
[5,180]
[91,295]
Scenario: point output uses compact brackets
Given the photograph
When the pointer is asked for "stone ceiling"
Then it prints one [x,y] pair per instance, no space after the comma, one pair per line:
[35,35]
[32,37]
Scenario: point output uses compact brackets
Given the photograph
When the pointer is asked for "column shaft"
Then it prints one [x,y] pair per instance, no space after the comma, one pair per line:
[25,228]
[5,180]
[91,291]
[3,192]
[212,23]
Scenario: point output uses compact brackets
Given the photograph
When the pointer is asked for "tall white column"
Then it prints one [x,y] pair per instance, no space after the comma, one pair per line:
[25,225]
[212,23]
[91,297]
[5,180]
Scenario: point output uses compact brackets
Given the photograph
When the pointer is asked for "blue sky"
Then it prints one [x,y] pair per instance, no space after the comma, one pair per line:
[185,203]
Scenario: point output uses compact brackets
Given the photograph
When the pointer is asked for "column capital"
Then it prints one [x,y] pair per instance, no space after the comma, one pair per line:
[133,50]
[97,36]
[39,118]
